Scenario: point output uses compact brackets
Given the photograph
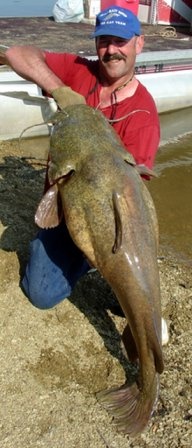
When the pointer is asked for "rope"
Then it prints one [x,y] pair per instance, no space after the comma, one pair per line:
[167,32]
[127,115]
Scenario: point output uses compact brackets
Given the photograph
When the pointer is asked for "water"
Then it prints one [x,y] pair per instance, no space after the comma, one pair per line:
[172,194]
[26,8]
[175,124]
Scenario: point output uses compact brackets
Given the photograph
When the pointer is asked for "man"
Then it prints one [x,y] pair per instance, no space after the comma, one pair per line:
[109,84]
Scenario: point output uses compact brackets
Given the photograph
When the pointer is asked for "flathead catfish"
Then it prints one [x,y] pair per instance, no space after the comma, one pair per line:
[111,217]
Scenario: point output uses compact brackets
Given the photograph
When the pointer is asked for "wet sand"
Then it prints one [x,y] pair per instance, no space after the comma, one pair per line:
[52,362]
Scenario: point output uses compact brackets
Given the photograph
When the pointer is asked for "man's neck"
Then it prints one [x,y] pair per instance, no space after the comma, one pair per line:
[119,90]
[114,83]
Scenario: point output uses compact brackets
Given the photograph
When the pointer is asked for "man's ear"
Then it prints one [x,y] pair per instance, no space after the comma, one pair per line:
[96,42]
[140,43]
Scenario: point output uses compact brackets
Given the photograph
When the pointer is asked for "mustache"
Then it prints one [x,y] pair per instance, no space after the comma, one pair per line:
[113,57]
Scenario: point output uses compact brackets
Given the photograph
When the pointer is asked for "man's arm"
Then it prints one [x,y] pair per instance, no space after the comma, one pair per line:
[29,62]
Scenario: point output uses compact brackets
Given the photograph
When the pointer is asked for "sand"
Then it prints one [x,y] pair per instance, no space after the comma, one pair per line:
[53,362]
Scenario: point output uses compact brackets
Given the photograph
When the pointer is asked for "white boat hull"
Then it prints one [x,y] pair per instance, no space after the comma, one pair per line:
[22,106]
[168,77]
[171,91]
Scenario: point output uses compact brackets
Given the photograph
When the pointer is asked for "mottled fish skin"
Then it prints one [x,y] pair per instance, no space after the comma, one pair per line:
[111,217]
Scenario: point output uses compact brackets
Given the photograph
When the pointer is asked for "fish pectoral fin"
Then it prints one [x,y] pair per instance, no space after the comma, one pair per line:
[55,174]
[145,171]
[118,222]
[49,212]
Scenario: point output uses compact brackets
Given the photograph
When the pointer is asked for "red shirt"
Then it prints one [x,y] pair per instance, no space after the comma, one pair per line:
[139,130]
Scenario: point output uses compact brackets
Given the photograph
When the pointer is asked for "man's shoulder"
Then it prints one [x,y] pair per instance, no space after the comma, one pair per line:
[144,96]
[78,59]
[70,62]
[144,90]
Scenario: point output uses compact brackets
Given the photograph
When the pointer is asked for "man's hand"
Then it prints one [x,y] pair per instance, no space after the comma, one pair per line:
[65,96]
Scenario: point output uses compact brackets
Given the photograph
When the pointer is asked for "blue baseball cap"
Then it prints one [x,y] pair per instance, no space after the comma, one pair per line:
[116,21]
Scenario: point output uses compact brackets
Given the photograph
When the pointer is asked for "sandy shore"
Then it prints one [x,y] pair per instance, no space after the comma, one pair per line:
[75,37]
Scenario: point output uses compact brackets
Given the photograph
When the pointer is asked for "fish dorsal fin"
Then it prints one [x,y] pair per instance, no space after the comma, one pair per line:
[128,158]
[48,214]
[118,223]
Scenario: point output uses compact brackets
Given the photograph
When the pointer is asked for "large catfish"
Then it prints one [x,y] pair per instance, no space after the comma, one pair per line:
[111,217]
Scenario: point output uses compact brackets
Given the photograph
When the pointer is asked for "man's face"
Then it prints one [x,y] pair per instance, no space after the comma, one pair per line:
[117,56]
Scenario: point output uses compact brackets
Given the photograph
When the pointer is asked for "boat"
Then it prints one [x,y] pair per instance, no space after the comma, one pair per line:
[23,107]
[25,110]
[168,77]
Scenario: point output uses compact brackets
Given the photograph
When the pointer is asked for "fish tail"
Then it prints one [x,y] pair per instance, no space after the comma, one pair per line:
[130,407]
